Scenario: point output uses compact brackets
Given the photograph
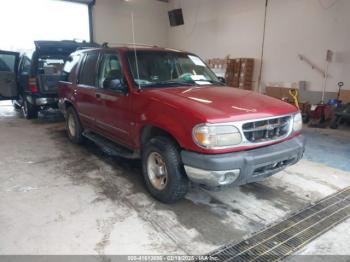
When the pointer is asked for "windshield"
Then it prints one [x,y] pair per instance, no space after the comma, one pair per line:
[165,68]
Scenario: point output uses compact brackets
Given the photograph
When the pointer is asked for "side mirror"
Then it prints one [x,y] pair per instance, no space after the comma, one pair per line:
[222,79]
[115,85]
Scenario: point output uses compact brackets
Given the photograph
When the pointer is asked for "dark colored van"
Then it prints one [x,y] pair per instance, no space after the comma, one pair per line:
[31,81]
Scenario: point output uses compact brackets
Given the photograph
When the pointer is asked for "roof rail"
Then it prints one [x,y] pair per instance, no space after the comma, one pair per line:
[106,45]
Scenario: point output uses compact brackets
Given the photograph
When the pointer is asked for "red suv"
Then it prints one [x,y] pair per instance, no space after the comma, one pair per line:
[168,108]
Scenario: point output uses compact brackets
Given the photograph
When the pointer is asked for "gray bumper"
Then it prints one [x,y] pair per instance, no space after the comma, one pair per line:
[42,101]
[243,167]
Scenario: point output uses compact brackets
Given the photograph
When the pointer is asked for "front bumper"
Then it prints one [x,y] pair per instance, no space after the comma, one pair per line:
[243,167]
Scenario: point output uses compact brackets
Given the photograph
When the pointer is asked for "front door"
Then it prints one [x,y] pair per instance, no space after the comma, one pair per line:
[8,70]
[114,117]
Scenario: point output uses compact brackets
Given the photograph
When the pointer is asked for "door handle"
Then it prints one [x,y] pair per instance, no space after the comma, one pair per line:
[98,96]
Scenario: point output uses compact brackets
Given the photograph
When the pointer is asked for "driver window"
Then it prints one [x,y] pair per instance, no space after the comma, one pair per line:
[110,68]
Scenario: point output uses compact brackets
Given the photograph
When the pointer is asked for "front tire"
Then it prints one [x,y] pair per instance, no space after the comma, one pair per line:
[74,127]
[163,171]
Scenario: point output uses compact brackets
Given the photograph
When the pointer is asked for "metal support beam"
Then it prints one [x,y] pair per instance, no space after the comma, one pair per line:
[91,25]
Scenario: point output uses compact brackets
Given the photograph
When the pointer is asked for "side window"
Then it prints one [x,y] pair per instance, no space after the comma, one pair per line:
[109,69]
[88,72]
[25,68]
[7,62]
[70,67]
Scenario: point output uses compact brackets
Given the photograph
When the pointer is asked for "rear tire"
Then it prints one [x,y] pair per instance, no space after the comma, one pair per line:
[29,111]
[161,155]
[74,127]
[15,105]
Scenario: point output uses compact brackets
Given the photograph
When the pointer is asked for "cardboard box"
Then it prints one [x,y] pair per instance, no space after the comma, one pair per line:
[344,96]
[245,81]
[247,60]
[277,92]
[247,88]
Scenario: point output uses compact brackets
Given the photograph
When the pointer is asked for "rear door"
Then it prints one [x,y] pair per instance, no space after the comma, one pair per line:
[86,101]
[8,72]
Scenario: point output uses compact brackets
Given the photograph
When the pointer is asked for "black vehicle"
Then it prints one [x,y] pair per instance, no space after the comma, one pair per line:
[31,81]
[341,115]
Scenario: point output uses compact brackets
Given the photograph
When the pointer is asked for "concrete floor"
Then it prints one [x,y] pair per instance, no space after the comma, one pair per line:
[60,198]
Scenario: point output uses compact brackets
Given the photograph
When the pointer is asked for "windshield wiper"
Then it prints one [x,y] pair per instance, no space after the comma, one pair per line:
[171,82]
[210,81]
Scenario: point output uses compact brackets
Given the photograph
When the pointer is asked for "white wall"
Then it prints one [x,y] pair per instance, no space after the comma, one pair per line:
[235,27]
[112,21]
[214,29]
[307,27]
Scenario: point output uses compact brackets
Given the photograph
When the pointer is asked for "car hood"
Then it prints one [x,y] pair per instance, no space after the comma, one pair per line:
[219,104]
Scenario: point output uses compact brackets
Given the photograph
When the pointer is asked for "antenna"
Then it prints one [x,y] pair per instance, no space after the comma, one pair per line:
[134,43]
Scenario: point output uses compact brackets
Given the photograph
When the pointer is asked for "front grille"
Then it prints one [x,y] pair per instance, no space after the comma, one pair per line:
[266,130]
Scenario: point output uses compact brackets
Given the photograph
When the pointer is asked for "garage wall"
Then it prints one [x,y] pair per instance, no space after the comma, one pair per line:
[214,29]
[307,27]
[235,27]
[112,21]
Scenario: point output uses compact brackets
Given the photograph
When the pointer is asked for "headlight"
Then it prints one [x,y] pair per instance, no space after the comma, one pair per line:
[216,136]
[297,122]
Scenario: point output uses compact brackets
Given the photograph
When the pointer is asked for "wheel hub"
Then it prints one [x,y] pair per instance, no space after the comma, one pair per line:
[157,171]
[71,125]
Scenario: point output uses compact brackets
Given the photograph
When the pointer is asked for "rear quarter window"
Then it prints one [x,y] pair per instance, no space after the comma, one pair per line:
[88,72]
[25,66]
[69,69]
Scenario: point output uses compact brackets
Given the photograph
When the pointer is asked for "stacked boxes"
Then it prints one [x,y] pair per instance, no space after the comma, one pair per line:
[217,63]
[232,72]
[246,73]
[239,73]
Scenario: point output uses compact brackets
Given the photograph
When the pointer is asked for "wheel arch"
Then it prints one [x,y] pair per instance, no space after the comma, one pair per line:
[150,131]
[64,105]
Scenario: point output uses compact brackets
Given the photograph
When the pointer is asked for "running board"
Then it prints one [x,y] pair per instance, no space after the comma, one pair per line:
[110,147]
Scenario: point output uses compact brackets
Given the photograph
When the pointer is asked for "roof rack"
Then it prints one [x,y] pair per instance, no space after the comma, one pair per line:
[106,45]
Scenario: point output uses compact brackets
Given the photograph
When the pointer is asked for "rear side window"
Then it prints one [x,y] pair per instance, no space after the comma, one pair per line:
[88,72]
[70,67]
[25,68]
